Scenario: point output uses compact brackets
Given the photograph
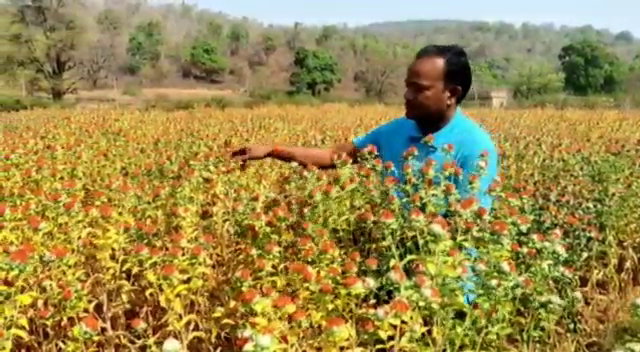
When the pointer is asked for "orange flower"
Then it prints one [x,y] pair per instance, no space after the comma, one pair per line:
[249,296]
[67,294]
[335,322]
[20,256]
[35,222]
[400,305]
[244,274]
[168,270]
[387,216]
[355,256]
[298,315]
[467,203]
[371,263]
[91,323]
[282,301]
[500,227]
[350,267]
[137,323]
[59,252]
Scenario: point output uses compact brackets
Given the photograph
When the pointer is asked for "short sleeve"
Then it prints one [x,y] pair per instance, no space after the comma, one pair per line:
[373,137]
[471,164]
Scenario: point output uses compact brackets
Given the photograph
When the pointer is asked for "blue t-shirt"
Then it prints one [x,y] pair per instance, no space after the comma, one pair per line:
[467,137]
[469,141]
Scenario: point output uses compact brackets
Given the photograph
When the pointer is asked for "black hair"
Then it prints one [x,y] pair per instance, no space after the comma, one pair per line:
[457,67]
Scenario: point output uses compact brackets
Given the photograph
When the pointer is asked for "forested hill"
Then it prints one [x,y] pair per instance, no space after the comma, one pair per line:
[502,39]
[55,47]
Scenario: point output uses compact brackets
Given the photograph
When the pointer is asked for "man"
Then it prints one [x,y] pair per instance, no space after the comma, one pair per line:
[437,82]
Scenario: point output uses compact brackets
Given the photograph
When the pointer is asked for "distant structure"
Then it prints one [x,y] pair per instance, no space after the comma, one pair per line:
[496,98]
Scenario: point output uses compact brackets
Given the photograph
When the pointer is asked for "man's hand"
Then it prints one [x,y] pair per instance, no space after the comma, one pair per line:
[256,152]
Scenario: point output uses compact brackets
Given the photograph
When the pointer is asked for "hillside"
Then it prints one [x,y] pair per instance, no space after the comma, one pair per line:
[131,43]
[500,39]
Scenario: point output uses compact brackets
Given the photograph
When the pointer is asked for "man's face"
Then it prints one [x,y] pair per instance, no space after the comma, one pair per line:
[426,97]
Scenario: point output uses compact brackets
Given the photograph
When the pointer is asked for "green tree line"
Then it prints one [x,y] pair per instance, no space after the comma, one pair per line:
[59,46]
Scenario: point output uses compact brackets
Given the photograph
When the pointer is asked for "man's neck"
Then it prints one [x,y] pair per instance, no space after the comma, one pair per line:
[429,126]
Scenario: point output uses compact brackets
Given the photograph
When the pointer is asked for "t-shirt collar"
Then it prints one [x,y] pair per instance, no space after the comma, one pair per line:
[443,131]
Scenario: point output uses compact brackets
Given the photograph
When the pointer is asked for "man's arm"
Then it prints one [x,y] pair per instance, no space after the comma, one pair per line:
[322,158]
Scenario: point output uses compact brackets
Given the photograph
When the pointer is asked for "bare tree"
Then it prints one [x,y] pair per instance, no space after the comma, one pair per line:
[47,39]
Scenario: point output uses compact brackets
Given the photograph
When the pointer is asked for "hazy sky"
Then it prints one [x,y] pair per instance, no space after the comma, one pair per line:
[615,15]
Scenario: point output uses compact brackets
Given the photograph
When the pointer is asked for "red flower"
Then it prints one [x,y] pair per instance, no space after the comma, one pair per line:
[355,256]
[298,315]
[137,323]
[59,252]
[387,216]
[422,280]
[106,210]
[139,248]
[282,301]
[416,214]
[304,241]
[371,263]
[328,247]
[467,203]
[91,323]
[168,270]
[249,296]
[399,305]
[335,322]
[244,274]
[196,250]
[34,222]
[500,227]
[350,267]
[19,256]
[67,294]
[326,288]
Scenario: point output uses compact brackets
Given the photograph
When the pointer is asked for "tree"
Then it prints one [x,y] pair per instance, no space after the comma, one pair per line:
[269,45]
[378,69]
[535,80]
[101,55]
[624,37]
[295,37]
[327,34]
[238,38]
[316,72]
[145,46]
[205,58]
[214,30]
[46,36]
[590,69]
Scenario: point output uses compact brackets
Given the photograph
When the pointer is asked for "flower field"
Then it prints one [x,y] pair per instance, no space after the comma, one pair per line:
[130,230]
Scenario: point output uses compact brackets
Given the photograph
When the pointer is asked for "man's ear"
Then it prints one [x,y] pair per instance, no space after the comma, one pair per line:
[453,93]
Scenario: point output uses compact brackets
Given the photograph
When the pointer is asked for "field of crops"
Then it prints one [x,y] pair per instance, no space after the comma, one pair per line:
[127,230]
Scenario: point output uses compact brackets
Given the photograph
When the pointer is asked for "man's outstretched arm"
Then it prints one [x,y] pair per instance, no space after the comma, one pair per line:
[322,158]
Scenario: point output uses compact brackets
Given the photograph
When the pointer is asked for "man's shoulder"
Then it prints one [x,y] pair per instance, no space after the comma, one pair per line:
[476,137]
[397,126]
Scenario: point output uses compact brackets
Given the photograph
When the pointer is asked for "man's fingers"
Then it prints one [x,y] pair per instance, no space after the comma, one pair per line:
[239,152]
[242,158]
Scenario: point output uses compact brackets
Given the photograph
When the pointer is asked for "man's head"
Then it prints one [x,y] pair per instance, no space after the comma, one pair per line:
[437,81]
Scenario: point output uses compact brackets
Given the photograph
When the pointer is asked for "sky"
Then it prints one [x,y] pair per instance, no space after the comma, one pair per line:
[615,15]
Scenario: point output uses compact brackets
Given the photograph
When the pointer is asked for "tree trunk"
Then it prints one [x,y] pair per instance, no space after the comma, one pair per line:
[57,89]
